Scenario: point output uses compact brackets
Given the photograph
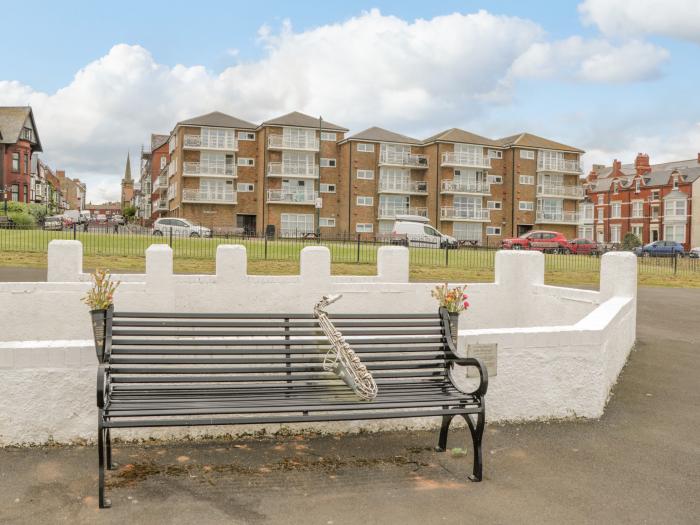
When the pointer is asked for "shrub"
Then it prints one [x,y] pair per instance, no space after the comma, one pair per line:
[38,211]
[22,219]
[630,242]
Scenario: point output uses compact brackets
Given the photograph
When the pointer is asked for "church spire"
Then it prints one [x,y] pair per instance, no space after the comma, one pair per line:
[127,171]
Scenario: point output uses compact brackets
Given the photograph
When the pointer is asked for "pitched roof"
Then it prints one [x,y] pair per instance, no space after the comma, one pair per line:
[375,134]
[218,120]
[158,140]
[528,140]
[301,120]
[459,135]
[659,175]
[12,119]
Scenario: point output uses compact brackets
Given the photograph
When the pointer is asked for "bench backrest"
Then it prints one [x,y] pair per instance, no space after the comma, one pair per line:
[218,350]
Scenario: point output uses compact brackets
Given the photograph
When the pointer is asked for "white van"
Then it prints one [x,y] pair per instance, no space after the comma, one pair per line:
[416,231]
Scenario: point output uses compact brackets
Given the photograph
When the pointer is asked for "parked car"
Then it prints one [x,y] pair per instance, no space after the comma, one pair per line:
[544,241]
[583,246]
[179,227]
[55,222]
[118,219]
[101,218]
[660,249]
[694,253]
[414,230]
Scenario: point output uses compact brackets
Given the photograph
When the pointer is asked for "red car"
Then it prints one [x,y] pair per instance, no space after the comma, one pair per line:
[544,241]
[583,246]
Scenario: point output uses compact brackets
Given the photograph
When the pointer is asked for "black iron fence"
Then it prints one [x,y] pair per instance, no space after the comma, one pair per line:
[132,241]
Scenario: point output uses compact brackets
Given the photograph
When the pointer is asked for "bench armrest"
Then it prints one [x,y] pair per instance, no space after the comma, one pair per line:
[483,373]
[102,384]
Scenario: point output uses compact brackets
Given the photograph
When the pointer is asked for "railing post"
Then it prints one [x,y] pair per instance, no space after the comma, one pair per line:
[358,248]
[675,264]
[265,245]
[447,255]
[170,237]
[74,233]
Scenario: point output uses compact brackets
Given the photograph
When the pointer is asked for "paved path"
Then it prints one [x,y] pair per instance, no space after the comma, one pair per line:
[639,464]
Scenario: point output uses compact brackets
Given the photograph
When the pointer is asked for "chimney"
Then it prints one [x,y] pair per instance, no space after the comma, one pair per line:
[641,164]
[616,167]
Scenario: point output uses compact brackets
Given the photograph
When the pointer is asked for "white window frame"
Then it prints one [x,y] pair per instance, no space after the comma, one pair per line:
[674,236]
[364,200]
[326,188]
[601,198]
[526,206]
[364,174]
[163,161]
[616,210]
[245,187]
[246,135]
[245,161]
[494,205]
[655,194]
[495,154]
[637,185]
[328,163]
[615,233]
[527,154]
[364,147]
[637,211]
[326,222]
[494,179]
[330,136]
[364,227]
[527,179]
[493,230]
[675,208]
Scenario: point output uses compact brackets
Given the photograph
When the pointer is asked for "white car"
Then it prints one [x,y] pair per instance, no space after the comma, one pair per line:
[415,231]
[694,253]
[179,228]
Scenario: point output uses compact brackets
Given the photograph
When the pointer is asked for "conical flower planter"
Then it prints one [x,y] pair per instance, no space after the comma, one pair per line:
[454,325]
[99,330]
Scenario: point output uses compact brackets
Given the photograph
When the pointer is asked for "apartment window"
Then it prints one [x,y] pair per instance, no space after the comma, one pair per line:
[245,187]
[637,208]
[493,230]
[615,233]
[494,179]
[326,222]
[527,179]
[15,192]
[587,212]
[637,230]
[465,231]
[675,208]
[365,174]
[364,227]
[26,164]
[246,135]
[328,135]
[495,154]
[585,232]
[327,188]
[654,195]
[675,183]
[601,198]
[494,205]
[296,224]
[162,161]
[246,161]
[328,163]
[527,154]
[526,205]
[27,134]
[616,187]
[15,162]
[615,210]
[365,201]
[674,232]
[366,148]
[637,186]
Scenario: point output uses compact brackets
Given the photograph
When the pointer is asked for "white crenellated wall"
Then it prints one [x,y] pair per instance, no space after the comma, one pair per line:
[563,346]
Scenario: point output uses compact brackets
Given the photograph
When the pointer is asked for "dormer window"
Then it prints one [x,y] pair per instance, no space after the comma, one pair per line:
[675,183]
[637,185]
[616,187]
[27,134]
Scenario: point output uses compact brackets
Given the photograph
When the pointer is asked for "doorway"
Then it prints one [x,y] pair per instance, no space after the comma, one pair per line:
[248,223]
[523,229]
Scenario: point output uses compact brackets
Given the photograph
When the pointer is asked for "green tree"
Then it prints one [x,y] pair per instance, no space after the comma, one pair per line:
[129,212]
[630,242]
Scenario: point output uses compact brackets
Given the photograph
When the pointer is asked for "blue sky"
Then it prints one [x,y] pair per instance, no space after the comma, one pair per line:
[612,79]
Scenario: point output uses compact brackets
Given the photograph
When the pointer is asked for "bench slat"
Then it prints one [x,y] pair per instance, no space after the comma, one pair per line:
[125,350]
[185,315]
[318,358]
[326,376]
[348,334]
[273,342]
[258,369]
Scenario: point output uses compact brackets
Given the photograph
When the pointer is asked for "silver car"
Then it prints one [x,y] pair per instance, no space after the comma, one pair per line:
[179,228]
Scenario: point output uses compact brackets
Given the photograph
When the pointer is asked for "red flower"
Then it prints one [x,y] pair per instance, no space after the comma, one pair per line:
[466,304]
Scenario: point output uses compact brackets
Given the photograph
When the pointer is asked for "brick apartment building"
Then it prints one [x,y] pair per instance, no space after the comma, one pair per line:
[19,140]
[298,173]
[655,202]
[73,191]
[153,182]
[108,209]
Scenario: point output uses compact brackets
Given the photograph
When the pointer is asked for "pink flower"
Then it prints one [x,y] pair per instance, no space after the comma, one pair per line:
[466,304]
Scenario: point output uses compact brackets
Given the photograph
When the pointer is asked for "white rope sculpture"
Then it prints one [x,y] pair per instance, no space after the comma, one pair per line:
[341,359]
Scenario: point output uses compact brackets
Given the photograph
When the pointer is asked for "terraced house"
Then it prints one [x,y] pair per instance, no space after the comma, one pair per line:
[19,140]
[298,174]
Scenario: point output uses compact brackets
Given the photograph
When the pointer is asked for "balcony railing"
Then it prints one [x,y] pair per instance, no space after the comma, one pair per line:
[464,214]
[161,183]
[560,165]
[172,167]
[568,191]
[208,196]
[418,187]
[390,212]
[476,187]
[557,217]
[292,197]
[466,160]
[292,169]
[395,158]
[299,143]
[198,169]
[227,143]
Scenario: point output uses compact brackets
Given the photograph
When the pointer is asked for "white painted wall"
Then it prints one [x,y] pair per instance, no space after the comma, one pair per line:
[564,347]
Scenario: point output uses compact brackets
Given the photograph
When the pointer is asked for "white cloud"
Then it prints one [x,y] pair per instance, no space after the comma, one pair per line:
[368,70]
[672,18]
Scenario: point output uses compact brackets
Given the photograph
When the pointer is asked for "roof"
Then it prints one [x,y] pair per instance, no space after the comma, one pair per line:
[376,134]
[218,120]
[158,140]
[459,135]
[675,194]
[300,120]
[528,140]
[689,170]
[12,119]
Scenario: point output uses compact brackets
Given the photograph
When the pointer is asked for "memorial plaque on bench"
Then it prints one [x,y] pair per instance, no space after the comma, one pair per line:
[488,353]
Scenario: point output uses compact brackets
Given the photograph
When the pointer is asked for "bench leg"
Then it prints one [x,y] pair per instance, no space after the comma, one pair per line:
[444,428]
[477,431]
[111,465]
[102,460]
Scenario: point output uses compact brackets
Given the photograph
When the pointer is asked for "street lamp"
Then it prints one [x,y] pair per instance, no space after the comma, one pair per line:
[5,189]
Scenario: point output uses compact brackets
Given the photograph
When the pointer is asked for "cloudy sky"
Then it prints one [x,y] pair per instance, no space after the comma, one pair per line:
[611,77]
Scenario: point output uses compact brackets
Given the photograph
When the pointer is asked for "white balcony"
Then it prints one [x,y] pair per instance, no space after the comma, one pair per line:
[557,217]
[466,160]
[291,197]
[161,183]
[559,165]
[464,214]
[390,212]
[407,160]
[567,191]
[299,170]
[295,143]
[197,169]
[209,197]
[172,167]
[227,143]
[468,187]
[160,205]
[412,187]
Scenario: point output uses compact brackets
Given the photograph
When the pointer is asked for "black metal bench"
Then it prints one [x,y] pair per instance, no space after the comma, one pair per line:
[178,369]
